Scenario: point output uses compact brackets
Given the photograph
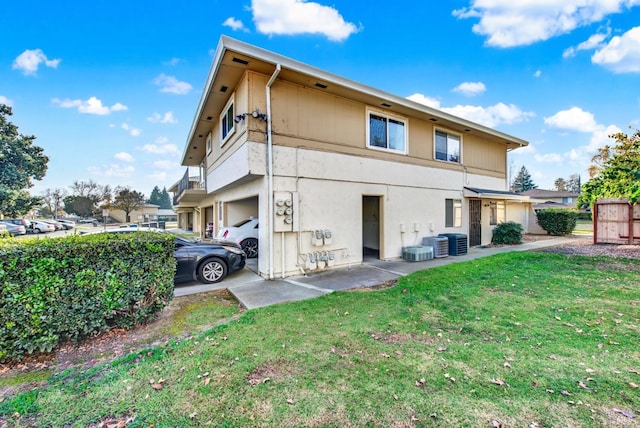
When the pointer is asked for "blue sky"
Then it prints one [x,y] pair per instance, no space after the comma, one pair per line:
[109,88]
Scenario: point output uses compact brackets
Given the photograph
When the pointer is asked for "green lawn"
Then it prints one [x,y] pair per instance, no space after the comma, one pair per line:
[517,339]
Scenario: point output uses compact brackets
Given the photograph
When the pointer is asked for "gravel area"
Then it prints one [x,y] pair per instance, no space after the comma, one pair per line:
[583,245]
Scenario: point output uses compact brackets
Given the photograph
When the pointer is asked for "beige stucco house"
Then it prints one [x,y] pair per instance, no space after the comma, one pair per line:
[334,169]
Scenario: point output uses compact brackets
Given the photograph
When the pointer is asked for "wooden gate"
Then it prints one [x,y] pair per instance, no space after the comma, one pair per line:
[616,221]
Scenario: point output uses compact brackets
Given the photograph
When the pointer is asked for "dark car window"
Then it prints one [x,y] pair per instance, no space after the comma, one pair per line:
[242,223]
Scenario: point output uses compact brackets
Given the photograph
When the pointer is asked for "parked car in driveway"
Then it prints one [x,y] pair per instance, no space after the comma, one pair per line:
[208,262]
[13,229]
[245,233]
[20,221]
[57,225]
[42,227]
[67,224]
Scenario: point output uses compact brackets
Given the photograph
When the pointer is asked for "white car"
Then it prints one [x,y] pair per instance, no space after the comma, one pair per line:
[244,233]
[67,224]
[42,227]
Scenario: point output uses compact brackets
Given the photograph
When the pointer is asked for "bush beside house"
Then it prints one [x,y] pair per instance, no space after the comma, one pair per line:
[54,290]
[558,222]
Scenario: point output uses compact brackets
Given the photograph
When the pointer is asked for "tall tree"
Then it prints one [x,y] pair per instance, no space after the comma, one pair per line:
[560,184]
[127,200]
[54,200]
[100,196]
[523,181]
[574,183]
[165,200]
[79,205]
[618,175]
[154,198]
[21,162]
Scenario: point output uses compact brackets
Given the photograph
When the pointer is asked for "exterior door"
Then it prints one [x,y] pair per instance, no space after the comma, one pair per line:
[475,222]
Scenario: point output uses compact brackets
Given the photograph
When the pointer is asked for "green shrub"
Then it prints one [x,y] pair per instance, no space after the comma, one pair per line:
[69,288]
[556,221]
[509,233]
[584,215]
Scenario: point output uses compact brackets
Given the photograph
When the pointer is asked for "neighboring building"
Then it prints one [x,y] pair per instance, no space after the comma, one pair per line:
[334,169]
[552,198]
[149,212]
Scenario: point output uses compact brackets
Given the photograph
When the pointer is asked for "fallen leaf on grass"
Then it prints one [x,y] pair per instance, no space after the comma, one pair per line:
[506,365]
[624,413]
[581,384]
[206,381]
[496,424]
[634,371]
[291,401]
[565,393]
[421,383]
[632,385]
[499,382]
[157,386]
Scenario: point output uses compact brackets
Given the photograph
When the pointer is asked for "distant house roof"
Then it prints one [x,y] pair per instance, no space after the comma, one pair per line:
[166,212]
[542,193]
[475,192]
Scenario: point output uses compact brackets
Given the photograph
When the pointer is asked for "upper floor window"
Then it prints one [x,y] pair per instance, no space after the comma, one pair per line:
[385,132]
[209,143]
[226,122]
[447,147]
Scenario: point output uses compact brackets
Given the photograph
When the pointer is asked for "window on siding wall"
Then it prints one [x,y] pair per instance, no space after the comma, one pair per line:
[496,213]
[386,132]
[453,213]
[226,122]
[447,147]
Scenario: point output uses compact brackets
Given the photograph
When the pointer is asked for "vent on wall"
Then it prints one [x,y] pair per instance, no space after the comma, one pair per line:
[240,61]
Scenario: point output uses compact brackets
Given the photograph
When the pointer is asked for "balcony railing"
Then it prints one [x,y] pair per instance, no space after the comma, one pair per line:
[189,186]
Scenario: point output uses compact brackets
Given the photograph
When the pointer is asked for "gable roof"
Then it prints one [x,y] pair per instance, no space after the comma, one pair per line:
[542,193]
[233,58]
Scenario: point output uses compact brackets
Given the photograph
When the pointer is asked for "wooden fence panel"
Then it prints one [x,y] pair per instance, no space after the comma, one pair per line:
[615,221]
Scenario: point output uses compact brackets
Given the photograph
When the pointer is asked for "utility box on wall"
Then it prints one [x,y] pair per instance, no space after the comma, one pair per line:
[285,217]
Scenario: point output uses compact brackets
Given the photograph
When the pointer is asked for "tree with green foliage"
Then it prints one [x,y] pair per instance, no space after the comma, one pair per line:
[127,200]
[618,172]
[83,191]
[79,205]
[154,198]
[21,162]
[165,200]
[572,184]
[523,181]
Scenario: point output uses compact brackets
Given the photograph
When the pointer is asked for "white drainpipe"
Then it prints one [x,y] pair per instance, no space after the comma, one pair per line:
[270,170]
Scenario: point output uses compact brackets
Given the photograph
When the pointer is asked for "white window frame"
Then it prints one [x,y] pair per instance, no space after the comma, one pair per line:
[224,116]
[209,137]
[447,133]
[455,213]
[387,116]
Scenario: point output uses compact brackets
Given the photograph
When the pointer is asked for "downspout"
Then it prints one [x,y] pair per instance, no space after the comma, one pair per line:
[270,170]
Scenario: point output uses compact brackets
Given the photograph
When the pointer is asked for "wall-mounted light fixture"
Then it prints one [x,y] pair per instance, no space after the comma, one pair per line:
[255,114]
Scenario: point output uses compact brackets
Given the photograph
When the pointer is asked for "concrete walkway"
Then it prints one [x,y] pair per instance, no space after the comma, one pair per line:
[253,291]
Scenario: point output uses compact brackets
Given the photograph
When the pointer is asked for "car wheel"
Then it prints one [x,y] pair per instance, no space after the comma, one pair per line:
[36,230]
[212,270]
[250,247]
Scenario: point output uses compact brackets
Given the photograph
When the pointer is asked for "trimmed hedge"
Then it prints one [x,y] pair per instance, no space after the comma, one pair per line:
[556,221]
[70,288]
[509,233]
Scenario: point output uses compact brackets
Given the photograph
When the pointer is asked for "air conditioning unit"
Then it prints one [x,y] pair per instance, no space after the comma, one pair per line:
[457,243]
[440,245]
[417,253]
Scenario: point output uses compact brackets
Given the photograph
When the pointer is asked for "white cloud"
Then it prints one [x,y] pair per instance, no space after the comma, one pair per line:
[158,176]
[124,157]
[290,17]
[423,99]
[470,88]
[574,119]
[491,116]
[134,132]
[508,23]
[29,61]
[172,85]
[538,73]
[593,42]
[6,101]
[112,170]
[162,118]
[160,149]
[165,164]
[621,54]
[172,62]
[234,24]
[91,106]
